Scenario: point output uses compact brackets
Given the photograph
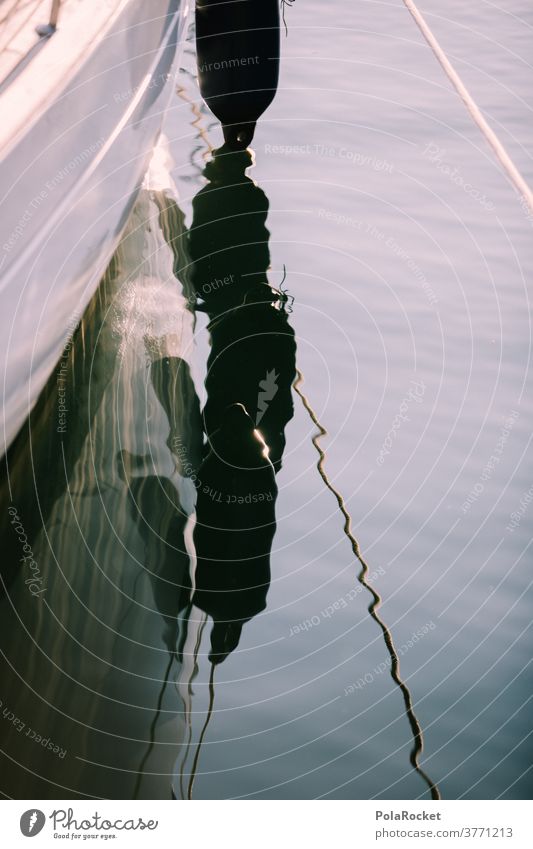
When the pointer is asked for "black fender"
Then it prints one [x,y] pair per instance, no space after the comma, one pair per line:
[237,49]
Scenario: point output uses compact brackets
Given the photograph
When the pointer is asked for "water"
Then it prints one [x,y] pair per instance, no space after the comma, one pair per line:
[406,256]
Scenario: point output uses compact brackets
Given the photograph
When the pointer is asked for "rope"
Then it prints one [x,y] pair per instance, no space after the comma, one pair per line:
[501,154]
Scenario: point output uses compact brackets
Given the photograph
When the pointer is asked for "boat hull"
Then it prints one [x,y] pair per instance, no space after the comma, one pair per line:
[70,182]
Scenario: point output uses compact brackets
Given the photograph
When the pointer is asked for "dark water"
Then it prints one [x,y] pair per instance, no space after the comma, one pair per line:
[328,590]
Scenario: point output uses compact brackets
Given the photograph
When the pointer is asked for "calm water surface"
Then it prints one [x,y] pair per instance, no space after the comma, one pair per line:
[374,204]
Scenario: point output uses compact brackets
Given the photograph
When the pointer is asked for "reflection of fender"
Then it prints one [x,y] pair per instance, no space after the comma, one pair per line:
[250,370]
[235,526]
[237,48]
[252,347]
[251,339]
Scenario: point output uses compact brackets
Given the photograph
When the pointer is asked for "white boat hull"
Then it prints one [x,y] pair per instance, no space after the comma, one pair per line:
[69,183]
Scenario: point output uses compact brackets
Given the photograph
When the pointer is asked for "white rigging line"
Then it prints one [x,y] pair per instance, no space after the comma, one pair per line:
[501,154]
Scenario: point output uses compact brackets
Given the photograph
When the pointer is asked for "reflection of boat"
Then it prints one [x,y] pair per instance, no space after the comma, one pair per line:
[89,654]
[102,661]
[81,110]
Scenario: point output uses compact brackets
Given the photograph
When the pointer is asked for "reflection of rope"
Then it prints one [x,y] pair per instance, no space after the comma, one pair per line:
[188,702]
[501,154]
[283,4]
[204,729]
[202,132]
[418,739]
[151,745]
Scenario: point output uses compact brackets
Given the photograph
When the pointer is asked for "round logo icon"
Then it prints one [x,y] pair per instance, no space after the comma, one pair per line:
[32,822]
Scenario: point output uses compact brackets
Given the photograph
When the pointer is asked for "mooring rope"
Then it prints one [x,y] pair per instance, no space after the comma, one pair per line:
[501,154]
